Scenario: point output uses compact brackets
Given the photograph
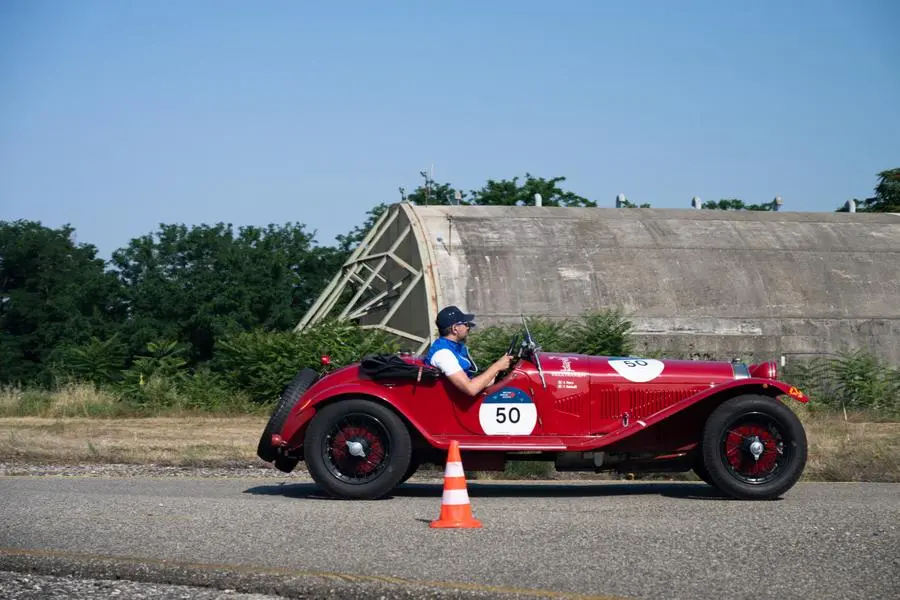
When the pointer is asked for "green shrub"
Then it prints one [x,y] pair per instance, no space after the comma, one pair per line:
[852,381]
[208,391]
[162,381]
[489,343]
[97,361]
[261,362]
[154,379]
[604,333]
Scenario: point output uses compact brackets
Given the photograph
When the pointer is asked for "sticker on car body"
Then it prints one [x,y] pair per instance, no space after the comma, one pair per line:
[509,411]
[638,370]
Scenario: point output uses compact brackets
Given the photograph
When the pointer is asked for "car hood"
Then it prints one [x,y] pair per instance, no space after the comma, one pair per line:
[642,370]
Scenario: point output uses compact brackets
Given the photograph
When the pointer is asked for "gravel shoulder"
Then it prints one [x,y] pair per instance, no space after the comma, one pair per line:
[247,470]
[28,586]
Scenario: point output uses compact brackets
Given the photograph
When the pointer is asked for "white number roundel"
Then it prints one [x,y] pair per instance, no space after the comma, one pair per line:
[638,370]
[508,412]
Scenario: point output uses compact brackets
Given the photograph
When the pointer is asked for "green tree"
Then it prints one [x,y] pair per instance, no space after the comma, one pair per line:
[626,203]
[736,204]
[432,194]
[195,284]
[54,293]
[505,192]
[887,195]
[508,192]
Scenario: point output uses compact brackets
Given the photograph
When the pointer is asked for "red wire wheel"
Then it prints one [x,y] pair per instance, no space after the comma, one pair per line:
[357,449]
[753,448]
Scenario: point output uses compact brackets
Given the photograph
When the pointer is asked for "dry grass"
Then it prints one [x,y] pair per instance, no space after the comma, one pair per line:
[855,450]
[70,400]
[189,441]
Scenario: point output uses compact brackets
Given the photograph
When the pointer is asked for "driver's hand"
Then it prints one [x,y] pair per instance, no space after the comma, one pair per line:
[504,362]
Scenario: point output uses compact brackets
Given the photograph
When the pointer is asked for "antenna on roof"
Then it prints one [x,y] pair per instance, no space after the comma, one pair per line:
[428,181]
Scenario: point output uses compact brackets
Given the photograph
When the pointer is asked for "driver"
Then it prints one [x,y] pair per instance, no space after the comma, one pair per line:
[450,354]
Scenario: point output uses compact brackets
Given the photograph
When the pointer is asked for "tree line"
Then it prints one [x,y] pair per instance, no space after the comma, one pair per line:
[183,296]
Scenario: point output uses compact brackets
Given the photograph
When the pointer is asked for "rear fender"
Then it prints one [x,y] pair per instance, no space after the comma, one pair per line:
[306,408]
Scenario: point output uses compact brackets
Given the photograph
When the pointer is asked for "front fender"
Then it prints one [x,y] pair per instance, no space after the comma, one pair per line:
[769,387]
[308,406]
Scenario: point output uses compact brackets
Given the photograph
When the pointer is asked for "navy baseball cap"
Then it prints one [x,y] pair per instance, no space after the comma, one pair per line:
[451,315]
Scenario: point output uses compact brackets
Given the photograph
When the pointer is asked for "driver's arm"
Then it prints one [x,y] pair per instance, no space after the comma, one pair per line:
[474,386]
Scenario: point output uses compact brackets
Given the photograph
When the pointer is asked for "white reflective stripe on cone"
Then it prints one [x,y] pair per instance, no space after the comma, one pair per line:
[455,497]
[454,469]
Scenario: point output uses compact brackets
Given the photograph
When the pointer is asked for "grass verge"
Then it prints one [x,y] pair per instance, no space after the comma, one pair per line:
[169,441]
[853,450]
[79,399]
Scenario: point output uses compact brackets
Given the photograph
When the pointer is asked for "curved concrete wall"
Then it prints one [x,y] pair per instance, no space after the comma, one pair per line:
[704,283]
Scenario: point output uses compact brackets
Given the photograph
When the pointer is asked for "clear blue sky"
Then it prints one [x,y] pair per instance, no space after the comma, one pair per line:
[116,116]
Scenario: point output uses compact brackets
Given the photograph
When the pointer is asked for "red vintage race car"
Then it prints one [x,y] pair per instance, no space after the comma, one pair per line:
[365,428]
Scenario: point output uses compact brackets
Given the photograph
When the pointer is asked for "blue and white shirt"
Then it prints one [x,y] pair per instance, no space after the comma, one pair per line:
[451,357]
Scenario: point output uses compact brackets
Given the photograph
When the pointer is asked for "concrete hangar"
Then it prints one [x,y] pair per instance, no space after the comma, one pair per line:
[695,283]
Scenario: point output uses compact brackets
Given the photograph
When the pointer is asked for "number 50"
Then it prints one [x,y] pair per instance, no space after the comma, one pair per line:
[513,415]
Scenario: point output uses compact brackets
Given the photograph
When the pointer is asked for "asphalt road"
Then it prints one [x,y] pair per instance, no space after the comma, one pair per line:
[572,540]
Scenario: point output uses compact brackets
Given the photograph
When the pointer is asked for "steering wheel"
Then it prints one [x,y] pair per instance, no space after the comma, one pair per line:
[531,350]
[512,345]
[515,351]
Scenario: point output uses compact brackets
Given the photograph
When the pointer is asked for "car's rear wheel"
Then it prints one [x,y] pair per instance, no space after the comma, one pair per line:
[357,449]
[754,448]
[289,398]
[415,462]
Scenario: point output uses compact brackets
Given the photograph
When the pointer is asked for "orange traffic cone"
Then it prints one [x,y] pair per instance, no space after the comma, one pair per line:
[455,508]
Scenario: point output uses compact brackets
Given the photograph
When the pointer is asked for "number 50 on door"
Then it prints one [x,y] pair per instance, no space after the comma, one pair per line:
[508,412]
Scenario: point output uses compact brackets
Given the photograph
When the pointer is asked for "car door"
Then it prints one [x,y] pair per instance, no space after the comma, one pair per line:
[513,406]
[523,404]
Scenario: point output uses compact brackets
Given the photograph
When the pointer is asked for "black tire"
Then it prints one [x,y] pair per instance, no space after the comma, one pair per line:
[700,470]
[728,438]
[289,398]
[414,463]
[380,433]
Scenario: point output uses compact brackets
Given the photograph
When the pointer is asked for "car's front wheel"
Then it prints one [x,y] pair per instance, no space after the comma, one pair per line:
[357,449]
[699,468]
[754,448]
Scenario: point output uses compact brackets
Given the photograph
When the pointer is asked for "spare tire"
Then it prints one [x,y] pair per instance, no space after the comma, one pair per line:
[289,398]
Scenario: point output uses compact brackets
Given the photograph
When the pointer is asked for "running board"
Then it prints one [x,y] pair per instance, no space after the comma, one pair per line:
[510,443]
